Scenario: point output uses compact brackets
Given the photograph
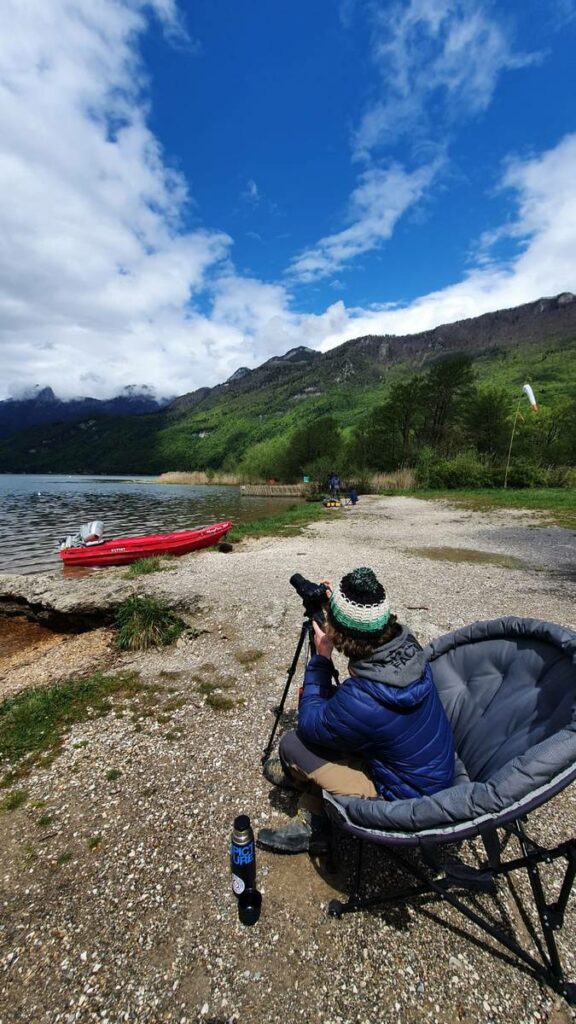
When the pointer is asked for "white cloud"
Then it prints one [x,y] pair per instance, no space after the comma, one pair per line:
[96,269]
[376,205]
[252,193]
[101,283]
[439,62]
[542,187]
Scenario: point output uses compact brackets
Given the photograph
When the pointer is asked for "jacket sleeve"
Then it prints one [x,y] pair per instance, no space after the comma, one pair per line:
[323,713]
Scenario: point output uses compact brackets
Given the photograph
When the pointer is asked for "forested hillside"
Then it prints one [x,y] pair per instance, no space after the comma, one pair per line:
[442,401]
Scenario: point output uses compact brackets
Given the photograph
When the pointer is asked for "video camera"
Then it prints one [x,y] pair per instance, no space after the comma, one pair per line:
[314,596]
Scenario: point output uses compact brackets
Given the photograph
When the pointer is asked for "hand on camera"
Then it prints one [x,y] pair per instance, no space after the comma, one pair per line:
[322,641]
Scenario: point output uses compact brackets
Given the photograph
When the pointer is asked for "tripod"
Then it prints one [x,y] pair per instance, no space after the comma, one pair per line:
[306,633]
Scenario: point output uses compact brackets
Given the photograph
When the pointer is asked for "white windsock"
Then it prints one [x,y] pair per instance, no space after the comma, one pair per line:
[530,396]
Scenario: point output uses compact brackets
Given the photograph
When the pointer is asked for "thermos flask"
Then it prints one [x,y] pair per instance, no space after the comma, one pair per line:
[243,867]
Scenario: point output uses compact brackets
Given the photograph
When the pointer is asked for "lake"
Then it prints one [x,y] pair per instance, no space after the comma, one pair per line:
[36,511]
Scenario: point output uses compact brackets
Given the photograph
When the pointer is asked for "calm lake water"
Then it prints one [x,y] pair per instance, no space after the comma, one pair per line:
[37,511]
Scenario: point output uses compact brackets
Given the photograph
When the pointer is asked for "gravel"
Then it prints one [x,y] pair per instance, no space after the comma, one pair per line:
[115,884]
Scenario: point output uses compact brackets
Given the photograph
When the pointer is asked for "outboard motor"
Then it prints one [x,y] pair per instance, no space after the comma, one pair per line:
[92,532]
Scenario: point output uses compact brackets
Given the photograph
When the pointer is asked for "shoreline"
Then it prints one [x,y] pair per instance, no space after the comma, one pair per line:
[132,869]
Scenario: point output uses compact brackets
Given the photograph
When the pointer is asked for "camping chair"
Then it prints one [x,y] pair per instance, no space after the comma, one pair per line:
[509,689]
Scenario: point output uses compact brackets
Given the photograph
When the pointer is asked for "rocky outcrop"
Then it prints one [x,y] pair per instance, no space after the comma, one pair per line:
[63,604]
[74,605]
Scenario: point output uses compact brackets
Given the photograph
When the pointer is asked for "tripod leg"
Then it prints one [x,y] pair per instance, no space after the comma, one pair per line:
[304,633]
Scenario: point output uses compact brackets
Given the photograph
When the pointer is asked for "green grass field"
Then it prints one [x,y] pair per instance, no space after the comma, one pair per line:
[559,503]
[283,523]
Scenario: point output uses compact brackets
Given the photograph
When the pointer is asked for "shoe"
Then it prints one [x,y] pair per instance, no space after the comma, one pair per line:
[308,833]
[273,771]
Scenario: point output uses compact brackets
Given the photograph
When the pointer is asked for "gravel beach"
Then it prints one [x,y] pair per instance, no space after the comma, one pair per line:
[116,900]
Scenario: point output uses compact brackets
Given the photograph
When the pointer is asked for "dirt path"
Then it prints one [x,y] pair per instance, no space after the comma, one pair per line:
[115,878]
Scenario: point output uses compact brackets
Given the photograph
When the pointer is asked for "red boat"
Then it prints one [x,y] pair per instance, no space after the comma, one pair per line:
[123,550]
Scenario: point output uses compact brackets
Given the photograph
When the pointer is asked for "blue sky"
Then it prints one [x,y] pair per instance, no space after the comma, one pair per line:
[201,185]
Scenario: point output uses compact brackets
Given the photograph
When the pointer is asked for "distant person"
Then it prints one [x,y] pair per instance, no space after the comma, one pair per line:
[334,485]
[353,496]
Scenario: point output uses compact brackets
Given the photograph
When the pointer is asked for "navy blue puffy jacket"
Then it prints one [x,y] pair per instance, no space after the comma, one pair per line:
[403,732]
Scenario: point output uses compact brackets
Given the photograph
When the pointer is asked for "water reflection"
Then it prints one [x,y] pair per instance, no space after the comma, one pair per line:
[36,511]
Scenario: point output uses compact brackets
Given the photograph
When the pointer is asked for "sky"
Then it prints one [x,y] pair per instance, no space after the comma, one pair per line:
[191,186]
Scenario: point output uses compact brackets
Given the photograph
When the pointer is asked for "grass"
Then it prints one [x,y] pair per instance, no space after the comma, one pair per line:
[294,519]
[145,566]
[14,800]
[559,503]
[145,622]
[211,690]
[470,555]
[249,657]
[199,477]
[112,774]
[33,722]
[222,702]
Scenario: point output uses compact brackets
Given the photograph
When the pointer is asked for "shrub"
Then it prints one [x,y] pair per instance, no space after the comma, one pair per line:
[146,622]
[462,471]
[523,473]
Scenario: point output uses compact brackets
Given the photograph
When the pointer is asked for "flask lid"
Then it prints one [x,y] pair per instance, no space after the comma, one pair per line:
[249,904]
[242,823]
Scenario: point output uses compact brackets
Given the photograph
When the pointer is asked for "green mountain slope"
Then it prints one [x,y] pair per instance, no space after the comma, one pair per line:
[215,428]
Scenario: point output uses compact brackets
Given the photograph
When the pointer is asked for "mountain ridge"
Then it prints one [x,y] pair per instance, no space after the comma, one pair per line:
[488,331]
[211,428]
[42,407]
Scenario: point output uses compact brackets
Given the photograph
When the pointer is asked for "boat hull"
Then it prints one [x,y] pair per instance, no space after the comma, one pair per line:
[124,550]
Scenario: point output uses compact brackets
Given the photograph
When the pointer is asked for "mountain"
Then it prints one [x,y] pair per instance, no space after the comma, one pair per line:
[211,427]
[41,406]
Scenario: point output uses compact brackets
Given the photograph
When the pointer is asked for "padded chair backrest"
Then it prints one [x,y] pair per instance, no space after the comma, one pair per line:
[506,685]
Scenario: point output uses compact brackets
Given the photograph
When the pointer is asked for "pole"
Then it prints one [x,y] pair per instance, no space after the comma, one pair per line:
[511,441]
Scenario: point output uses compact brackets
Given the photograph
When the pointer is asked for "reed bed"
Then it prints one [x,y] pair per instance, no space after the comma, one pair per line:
[399,480]
[200,477]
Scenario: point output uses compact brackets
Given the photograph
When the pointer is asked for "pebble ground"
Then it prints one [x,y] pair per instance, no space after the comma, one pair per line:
[115,889]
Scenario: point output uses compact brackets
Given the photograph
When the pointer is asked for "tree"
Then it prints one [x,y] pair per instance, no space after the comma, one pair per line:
[385,438]
[486,418]
[446,385]
[319,440]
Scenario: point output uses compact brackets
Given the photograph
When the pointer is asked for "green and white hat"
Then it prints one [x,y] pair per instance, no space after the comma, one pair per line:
[359,606]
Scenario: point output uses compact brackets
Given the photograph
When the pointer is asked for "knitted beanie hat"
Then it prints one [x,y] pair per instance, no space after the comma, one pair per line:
[359,605]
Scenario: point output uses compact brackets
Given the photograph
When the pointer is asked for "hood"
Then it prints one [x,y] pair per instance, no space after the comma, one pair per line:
[398,663]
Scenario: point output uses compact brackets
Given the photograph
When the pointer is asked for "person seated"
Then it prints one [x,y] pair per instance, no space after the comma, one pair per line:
[382,733]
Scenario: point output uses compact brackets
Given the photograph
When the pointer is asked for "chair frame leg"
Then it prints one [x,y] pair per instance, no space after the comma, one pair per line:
[460,876]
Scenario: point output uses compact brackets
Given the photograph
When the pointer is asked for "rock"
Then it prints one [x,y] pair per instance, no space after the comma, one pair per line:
[64,604]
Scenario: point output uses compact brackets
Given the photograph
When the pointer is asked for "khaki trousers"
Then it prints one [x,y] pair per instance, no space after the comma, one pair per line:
[313,772]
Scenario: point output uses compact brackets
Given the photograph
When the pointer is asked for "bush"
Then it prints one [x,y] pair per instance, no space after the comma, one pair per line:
[146,622]
[523,473]
[463,471]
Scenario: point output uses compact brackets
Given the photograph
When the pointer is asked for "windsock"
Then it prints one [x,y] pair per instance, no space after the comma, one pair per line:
[530,396]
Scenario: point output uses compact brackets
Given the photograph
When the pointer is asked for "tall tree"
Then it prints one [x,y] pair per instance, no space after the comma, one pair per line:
[486,418]
[447,384]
